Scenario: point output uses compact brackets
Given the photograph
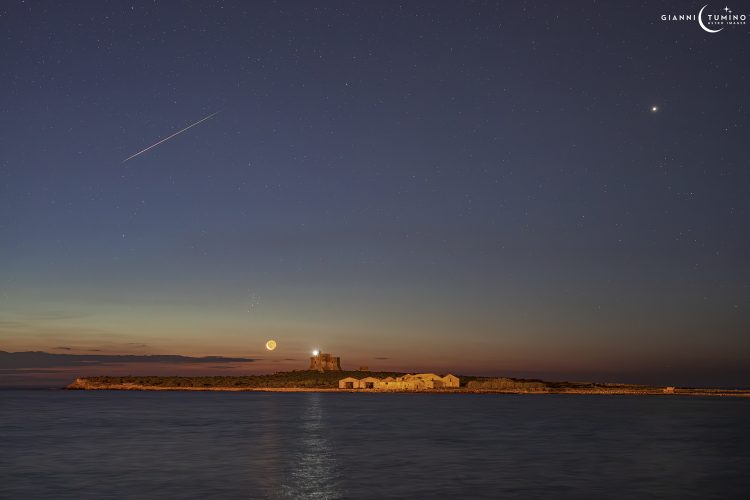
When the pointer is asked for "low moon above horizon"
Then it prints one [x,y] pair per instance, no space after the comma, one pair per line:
[271,345]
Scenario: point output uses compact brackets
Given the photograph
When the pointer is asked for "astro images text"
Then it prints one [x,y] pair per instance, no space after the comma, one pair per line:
[710,22]
[723,18]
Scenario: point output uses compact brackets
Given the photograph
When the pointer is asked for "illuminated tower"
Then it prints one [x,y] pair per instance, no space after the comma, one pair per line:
[324,362]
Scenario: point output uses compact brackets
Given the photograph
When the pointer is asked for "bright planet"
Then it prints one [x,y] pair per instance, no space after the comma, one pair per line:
[271,345]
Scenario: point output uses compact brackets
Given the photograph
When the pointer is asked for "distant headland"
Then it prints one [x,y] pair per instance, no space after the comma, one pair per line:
[325,375]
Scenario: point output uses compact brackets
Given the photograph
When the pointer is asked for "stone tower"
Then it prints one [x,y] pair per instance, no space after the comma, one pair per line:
[324,362]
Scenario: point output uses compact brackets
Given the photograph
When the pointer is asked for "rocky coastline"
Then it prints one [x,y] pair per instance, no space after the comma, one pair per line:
[126,384]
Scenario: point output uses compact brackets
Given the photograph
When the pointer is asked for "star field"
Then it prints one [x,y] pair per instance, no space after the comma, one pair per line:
[543,189]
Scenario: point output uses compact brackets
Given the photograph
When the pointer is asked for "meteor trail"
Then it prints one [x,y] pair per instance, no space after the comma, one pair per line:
[167,138]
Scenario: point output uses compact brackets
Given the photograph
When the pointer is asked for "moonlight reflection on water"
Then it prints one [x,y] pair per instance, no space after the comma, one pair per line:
[343,445]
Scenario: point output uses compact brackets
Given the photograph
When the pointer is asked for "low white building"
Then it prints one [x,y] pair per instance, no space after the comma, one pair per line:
[409,382]
[451,380]
[368,382]
[349,383]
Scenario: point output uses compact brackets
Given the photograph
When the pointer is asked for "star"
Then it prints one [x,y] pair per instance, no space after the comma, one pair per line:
[654,109]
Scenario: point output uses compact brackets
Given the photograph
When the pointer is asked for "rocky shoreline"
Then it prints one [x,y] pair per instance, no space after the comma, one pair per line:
[88,385]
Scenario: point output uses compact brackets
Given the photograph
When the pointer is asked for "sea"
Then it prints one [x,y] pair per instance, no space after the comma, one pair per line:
[60,444]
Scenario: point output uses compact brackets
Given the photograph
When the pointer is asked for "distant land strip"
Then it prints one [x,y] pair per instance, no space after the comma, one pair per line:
[314,381]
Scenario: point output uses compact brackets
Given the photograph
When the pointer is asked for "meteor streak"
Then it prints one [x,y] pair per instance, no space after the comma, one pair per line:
[167,138]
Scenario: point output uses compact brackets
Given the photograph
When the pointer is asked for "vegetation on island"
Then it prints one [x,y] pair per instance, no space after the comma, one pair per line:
[300,379]
[311,379]
[536,385]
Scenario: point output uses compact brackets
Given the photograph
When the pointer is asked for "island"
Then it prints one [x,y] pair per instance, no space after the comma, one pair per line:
[325,375]
[314,381]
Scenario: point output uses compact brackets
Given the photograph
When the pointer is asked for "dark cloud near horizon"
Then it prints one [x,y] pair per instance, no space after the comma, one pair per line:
[381,358]
[27,371]
[40,359]
[63,348]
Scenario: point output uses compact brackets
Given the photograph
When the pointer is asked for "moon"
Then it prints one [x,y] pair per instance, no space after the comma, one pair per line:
[271,345]
[700,21]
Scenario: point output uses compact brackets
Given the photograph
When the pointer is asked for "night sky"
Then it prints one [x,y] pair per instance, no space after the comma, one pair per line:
[551,189]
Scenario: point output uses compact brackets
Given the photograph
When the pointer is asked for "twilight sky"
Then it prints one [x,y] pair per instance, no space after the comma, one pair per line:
[474,187]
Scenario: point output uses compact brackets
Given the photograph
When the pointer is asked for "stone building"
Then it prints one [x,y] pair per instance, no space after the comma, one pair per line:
[349,383]
[418,382]
[324,362]
[431,380]
[368,382]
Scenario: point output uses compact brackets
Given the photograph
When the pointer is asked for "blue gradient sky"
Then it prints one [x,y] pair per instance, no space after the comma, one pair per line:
[467,187]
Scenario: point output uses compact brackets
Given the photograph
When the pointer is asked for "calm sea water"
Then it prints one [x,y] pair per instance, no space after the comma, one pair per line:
[60,444]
